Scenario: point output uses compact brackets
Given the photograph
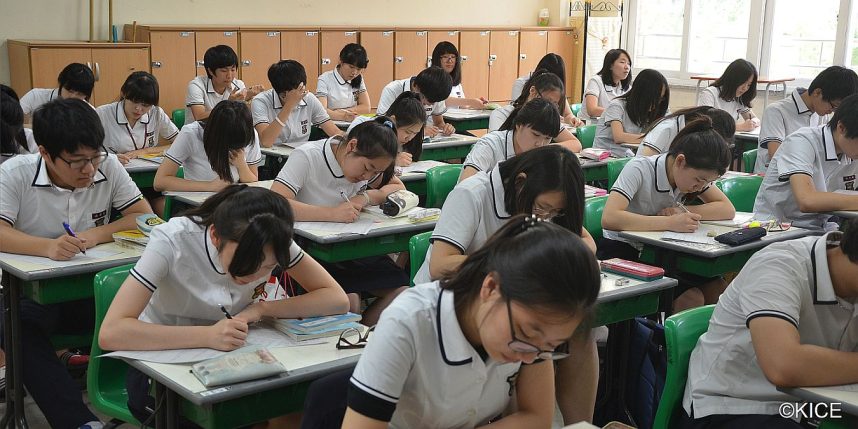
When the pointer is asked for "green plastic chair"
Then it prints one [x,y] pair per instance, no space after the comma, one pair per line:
[593,208]
[575,108]
[742,191]
[615,167]
[440,181]
[179,118]
[681,332]
[418,245]
[168,200]
[586,135]
[749,160]
[105,378]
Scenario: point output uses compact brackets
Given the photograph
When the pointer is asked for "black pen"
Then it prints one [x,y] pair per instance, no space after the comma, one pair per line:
[225,313]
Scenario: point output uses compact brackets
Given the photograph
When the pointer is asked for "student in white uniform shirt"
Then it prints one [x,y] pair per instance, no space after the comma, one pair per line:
[218,256]
[659,136]
[630,114]
[553,63]
[787,320]
[214,153]
[612,81]
[409,116]
[219,84]
[14,138]
[320,176]
[74,81]
[446,56]
[650,195]
[72,179]
[433,84]
[803,108]
[342,91]
[733,93]
[808,168]
[286,113]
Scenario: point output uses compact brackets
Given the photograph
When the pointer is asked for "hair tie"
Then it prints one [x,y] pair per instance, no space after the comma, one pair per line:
[389,124]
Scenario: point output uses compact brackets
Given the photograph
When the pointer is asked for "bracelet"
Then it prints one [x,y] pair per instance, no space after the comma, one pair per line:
[277,118]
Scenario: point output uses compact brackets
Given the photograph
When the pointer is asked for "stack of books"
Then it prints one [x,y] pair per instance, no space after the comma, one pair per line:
[317,327]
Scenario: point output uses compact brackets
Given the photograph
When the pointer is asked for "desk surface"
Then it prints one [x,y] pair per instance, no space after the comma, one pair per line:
[36,268]
[610,292]
[454,114]
[277,150]
[383,226]
[449,141]
[748,135]
[846,396]
[197,198]
[759,80]
[138,165]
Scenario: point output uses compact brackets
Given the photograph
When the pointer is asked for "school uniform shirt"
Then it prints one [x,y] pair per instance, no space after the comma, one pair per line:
[316,178]
[711,96]
[32,204]
[202,93]
[808,151]
[605,93]
[338,91]
[393,89]
[36,97]
[499,116]
[357,121]
[181,267]
[662,135]
[518,86]
[189,151]
[604,139]
[433,377]
[32,147]
[789,280]
[457,92]
[490,149]
[119,137]
[473,211]
[782,118]
[307,113]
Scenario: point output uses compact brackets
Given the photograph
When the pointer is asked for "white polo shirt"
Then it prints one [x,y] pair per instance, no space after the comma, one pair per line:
[393,89]
[432,376]
[499,116]
[605,93]
[604,139]
[808,151]
[782,118]
[181,267]
[518,86]
[189,151]
[473,211]
[787,280]
[32,147]
[338,91]
[202,93]
[662,135]
[120,138]
[308,113]
[457,91]
[32,204]
[711,96]
[315,177]
[36,97]
[491,149]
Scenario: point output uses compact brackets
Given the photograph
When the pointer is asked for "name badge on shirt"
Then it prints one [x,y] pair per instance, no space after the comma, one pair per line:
[304,124]
[150,139]
[98,218]
[355,94]
[849,182]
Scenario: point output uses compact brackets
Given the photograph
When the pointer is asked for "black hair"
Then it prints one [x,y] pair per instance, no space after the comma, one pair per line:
[835,83]
[355,55]
[539,114]
[644,102]
[434,83]
[67,125]
[376,138]
[12,137]
[228,128]
[286,75]
[77,77]
[446,48]
[553,63]
[543,81]
[524,257]
[703,147]
[218,57]
[407,110]
[846,114]
[607,76]
[140,87]
[849,240]
[734,76]
[722,122]
[9,91]
[254,218]
[548,168]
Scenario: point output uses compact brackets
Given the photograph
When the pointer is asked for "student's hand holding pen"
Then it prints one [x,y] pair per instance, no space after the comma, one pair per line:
[227,334]
[431,131]
[448,130]
[240,95]
[65,247]
[684,222]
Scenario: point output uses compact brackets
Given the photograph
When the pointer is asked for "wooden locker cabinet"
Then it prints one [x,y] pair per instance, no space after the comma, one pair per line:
[302,45]
[532,46]
[503,63]
[379,71]
[474,48]
[563,43]
[112,67]
[173,63]
[410,47]
[207,39]
[438,36]
[333,41]
[258,50]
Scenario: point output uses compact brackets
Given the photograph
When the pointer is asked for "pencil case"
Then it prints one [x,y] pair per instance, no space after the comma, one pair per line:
[632,269]
[399,202]
[146,222]
[245,364]
[741,236]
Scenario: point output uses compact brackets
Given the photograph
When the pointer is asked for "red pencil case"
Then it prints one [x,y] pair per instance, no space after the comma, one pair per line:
[632,269]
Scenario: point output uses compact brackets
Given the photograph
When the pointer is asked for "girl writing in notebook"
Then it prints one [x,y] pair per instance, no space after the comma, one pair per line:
[659,136]
[409,115]
[544,85]
[343,91]
[733,92]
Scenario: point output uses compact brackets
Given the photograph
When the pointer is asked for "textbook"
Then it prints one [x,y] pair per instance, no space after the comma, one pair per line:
[131,237]
[329,331]
[244,364]
[314,324]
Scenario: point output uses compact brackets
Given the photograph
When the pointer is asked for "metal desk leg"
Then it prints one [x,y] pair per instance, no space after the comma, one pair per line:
[766,96]
[166,407]
[14,416]
[697,91]
[172,409]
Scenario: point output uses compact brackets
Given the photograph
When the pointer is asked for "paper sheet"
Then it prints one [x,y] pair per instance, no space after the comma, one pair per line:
[139,163]
[740,219]
[92,255]
[700,236]
[421,166]
[465,113]
[361,227]
[845,388]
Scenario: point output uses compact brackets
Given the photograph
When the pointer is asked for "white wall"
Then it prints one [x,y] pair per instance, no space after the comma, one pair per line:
[69,19]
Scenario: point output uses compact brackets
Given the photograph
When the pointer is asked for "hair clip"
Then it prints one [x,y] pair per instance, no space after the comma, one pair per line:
[389,124]
[530,221]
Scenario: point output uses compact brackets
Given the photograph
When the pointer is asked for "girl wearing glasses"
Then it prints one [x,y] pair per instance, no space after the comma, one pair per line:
[446,56]
[650,195]
[452,350]
[409,116]
[343,91]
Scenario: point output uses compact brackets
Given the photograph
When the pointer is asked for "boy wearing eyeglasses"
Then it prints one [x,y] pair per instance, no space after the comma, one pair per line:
[72,180]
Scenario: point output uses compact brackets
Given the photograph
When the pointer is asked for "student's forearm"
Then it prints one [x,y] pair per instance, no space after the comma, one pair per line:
[624,137]
[308,212]
[363,107]
[200,113]
[818,202]
[172,183]
[716,210]
[320,302]
[622,220]
[269,134]
[246,173]
[467,172]
[133,334]
[104,233]
[772,147]
[14,241]
[438,266]
[577,380]
[809,365]
[472,103]
[592,106]
[573,145]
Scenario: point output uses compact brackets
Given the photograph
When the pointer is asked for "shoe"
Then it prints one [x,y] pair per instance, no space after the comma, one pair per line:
[74,359]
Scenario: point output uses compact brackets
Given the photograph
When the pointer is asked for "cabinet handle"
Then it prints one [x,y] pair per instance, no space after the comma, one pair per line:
[522,56]
[326,61]
[200,63]
[398,59]
[156,64]
[386,33]
[464,58]
[228,33]
[245,63]
[186,33]
[97,72]
[350,33]
[311,33]
[89,65]
[272,33]
[421,34]
[492,59]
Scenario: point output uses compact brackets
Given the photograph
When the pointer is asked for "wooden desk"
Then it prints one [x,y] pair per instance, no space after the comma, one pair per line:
[142,172]
[766,80]
[467,119]
[442,148]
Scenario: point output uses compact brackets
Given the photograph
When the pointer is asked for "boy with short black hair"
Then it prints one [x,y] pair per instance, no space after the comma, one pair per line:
[434,86]
[220,83]
[74,81]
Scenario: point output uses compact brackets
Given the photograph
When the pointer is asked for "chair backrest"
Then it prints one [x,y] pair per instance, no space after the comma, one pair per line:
[179,118]
[440,181]
[586,135]
[418,245]
[575,108]
[105,378]
[749,160]
[681,332]
[615,167]
[742,191]
[593,208]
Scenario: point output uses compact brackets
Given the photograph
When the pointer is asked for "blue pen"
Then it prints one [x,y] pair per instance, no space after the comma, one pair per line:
[69,231]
